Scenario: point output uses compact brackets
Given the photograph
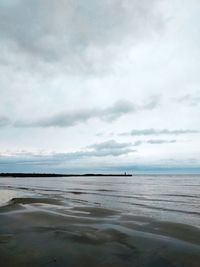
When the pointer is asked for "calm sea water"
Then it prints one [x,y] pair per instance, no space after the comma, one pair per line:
[165,197]
[143,220]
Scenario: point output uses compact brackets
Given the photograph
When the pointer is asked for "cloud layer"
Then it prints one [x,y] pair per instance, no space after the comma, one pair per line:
[4,121]
[152,131]
[109,114]
[192,100]
[75,33]
[70,69]
[109,148]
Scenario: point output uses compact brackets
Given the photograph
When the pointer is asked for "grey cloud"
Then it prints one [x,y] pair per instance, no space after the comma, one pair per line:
[138,142]
[154,142]
[100,134]
[118,109]
[154,102]
[76,31]
[107,148]
[61,120]
[160,141]
[4,121]
[113,145]
[67,119]
[152,131]
[110,144]
[104,152]
[189,99]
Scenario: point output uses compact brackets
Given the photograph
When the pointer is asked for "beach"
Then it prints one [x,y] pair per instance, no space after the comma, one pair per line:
[141,221]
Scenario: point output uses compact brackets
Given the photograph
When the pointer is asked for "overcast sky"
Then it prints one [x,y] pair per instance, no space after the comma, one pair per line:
[107,86]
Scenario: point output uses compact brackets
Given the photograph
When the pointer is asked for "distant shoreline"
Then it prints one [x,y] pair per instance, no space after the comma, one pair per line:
[15,175]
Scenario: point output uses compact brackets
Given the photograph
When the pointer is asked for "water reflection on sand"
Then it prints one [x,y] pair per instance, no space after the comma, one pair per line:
[6,196]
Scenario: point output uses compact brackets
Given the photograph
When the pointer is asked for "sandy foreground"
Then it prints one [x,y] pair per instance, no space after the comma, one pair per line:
[45,231]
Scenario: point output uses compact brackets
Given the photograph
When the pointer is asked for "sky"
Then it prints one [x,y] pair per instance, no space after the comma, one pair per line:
[99,86]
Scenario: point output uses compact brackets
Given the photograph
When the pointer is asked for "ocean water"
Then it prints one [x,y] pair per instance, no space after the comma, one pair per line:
[143,220]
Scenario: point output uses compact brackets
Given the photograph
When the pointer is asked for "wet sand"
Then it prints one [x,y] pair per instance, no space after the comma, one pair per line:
[50,230]
[6,195]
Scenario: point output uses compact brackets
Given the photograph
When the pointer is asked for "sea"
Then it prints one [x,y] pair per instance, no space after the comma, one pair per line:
[117,221]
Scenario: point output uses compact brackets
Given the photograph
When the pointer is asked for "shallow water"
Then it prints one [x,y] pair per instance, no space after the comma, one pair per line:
[151,221]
